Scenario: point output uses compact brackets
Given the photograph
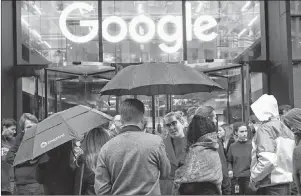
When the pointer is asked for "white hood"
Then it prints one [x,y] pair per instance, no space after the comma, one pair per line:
[265,107]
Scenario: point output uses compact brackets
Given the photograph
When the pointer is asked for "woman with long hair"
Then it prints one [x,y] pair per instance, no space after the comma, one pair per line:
[229,136]
[209,113]
[91,146]
[201,172]
[293,120]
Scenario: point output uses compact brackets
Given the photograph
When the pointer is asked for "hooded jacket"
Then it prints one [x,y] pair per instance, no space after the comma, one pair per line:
[273,146]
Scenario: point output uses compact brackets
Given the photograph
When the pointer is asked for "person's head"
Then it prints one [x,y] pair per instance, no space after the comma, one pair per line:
[228,130]
[265,108]
[283,109]
[198,127]
[292,120]
[241,131]
[92,145]
[174,124]
[27,121]
[132,112]
[9,128]
[206,112]
[221,133]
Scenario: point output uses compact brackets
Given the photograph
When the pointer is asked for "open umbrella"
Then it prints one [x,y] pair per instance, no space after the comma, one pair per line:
[159,79]
[58,129]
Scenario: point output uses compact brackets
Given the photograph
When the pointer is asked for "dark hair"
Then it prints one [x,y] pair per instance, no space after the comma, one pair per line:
[237,125]
[199,127]
[205,111]
[8,122]
[131,109]
[284,108]
[27,116]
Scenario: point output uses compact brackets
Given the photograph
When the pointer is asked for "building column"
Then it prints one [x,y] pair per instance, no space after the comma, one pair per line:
[279,50]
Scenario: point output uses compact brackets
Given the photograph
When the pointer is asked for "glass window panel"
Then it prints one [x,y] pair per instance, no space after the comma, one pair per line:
[297,85]
[42,34]
[296,37]
[237,28]
[130,49]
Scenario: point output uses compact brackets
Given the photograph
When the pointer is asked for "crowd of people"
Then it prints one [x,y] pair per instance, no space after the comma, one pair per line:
[194,156]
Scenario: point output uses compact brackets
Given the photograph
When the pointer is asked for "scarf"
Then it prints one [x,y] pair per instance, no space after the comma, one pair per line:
[201,164]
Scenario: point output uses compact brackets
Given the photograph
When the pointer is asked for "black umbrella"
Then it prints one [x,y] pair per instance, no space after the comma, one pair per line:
[159,79]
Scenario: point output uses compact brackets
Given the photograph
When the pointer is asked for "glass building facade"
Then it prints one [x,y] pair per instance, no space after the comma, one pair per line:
[222,38]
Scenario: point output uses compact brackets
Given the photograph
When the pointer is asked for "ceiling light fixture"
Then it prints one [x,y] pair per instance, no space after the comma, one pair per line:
[244,8]
[252,21]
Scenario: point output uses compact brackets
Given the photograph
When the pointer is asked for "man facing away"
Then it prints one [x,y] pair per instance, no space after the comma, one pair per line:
[273,144]
[133,162]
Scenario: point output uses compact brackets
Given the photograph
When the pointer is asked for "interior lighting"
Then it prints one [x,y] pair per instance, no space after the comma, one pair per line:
[47,44]
[34,32]
[198,9]
[37,9]
[63,23]
[24,22]
[118,21]
[199,28]
[252,21]
[140,8]
[151,29]
[242,32]
[244,8]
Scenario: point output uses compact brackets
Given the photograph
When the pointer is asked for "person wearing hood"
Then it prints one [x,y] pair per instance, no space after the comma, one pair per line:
[201,172]
[272,150]
[293,120]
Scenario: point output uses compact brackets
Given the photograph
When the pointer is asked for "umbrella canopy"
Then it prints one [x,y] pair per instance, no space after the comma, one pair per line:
[58,129]
[158,79]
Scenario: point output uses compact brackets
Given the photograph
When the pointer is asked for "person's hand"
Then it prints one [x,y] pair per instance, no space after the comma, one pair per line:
[230,173]
[77,152]
[253,185]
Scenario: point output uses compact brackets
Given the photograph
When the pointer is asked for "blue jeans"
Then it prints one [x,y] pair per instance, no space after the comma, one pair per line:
[279,189]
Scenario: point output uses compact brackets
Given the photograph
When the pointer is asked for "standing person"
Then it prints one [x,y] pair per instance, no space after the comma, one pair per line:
[92,144]
[54,171]
[273,144]
[293,120]
[208,112]
[25,172]
[201,172]
[239,161]
[132,162]
[7,140]
[175,146]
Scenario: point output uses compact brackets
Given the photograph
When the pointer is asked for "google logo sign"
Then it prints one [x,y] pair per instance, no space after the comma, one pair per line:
[201,25]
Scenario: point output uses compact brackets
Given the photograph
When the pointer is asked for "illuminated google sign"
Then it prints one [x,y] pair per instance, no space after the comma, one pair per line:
[201,25]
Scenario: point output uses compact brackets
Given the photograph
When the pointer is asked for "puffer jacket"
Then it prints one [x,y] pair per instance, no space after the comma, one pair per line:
[273,146]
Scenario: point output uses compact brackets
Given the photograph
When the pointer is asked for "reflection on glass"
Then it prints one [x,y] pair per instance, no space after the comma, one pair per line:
[41,32]
[295,7]
[238,27]
[296,37]
[136,37]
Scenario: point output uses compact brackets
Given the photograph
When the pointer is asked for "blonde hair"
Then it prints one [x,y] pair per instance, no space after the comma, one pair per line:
[92,144]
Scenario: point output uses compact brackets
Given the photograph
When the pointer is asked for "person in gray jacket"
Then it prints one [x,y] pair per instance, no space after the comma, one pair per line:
[133,162]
